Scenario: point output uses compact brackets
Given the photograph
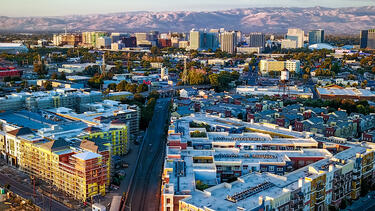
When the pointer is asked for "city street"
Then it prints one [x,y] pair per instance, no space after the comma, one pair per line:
[144,191]
[364,203]
[252,76]
[26,192]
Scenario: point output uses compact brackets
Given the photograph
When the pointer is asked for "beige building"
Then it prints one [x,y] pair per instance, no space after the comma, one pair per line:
[271,65]
[228,42]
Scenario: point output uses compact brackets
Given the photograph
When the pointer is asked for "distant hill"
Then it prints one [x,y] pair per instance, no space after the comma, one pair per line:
[333,20]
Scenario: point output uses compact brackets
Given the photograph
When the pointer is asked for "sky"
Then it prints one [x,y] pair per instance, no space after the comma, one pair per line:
[22,8]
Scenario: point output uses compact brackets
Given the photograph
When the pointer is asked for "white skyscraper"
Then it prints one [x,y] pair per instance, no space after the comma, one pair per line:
[296,34]
[228,42]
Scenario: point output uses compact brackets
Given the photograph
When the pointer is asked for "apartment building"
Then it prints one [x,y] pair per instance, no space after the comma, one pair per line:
[257,164]
[76,171]
[106,112]
[65,97]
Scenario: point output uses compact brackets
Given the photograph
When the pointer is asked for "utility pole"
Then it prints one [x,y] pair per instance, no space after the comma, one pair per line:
[103,64]
[185,73]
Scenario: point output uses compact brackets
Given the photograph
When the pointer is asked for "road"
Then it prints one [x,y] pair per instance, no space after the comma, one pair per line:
[144,190]
[27,192]
[365,203]
[252,77]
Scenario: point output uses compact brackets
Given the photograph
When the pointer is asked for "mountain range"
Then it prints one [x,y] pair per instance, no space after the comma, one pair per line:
[275,20]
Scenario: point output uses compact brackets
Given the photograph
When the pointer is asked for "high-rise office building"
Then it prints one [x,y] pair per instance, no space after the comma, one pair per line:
[316,36]
[228,42]
[103,42]
[201,40]
[90,38]
[364,37]
[368,39]
[256,39]
[297,35]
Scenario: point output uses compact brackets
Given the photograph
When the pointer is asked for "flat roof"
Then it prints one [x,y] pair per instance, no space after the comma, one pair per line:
[86,155]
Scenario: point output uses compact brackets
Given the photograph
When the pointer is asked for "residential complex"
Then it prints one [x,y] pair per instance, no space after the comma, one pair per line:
[274,169]
[72,156]
[70,98]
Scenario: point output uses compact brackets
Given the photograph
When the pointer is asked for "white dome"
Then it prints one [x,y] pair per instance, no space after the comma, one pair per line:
[320,46]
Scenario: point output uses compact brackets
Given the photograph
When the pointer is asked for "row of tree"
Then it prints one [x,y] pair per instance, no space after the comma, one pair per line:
[129,87]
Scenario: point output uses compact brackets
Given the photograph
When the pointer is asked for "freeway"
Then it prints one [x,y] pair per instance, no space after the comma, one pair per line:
[144,190]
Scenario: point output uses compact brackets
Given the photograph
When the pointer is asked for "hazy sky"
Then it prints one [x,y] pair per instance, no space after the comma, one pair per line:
[69,7]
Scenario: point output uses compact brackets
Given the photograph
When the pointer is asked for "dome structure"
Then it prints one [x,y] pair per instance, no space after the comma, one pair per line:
[320,46]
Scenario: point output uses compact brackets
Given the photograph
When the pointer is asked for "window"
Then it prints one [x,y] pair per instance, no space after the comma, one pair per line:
[280,169]
[168,200]
[271,168]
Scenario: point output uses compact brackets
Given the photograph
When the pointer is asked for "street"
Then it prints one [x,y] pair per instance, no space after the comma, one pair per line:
[252,77]
[144,190]
[364,203]
[27,192]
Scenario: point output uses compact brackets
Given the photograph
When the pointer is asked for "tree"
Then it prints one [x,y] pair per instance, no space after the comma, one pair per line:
[62,76]
[96,81]
[139,98]
[121,86]
[364,84]
[142,88]
[34,88]
[153,94]
[221,81]
[47,85]
[155,50]
[197,77]
[54,76]
[131,88]
[40,68]
[305,77]
[112,86]
[200,185]
[335,67]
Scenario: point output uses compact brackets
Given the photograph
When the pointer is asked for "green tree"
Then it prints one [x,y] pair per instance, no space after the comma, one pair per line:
[96,81]
[197,77]
[47,85]
[40,68]
[62,76]
[155,50]
[305,77]
[139,98]
[112,86]
[200,185]
[142,88]
[153,94]
[54,76]
[121,86]
[131,88]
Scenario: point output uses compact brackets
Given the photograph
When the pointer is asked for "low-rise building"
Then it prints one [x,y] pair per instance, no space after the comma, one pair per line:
[270,65]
